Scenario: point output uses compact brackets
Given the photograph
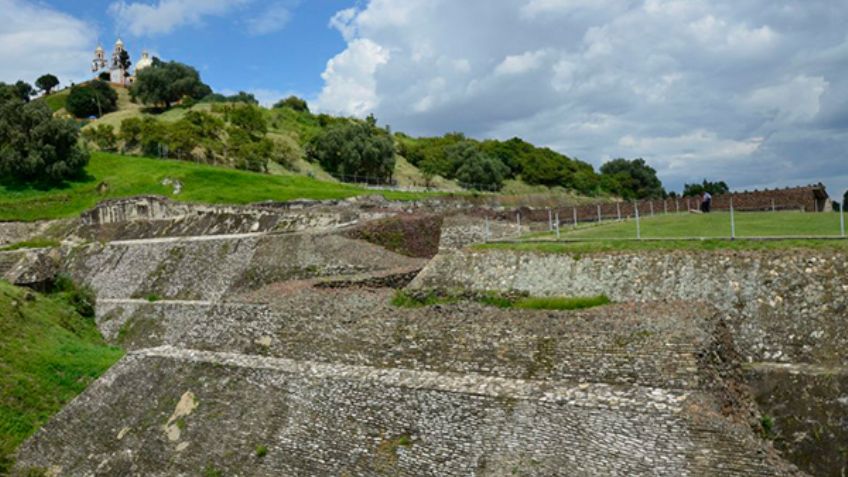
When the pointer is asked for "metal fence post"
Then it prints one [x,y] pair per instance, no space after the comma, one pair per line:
[618,210]
[665,207]
[651,203]
[732,221]
[772,205]
[677,205]
[688,207]
[638,227]
[550,220]
[557,225]
[599,213]
[518,222]
[842,219]
[574,209]
[486,232]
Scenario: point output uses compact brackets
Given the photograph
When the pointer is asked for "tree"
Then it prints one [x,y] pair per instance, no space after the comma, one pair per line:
[249,118]
[631,179]
[293,102]
[166,83]
[714,188]
[35,146]
[20,90]
[105,76]
[131,133]
[482,172]
[46,83]
[354,148]
[125,63]
[94,98]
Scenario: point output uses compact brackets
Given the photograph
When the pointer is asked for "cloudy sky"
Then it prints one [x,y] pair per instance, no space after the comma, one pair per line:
[752,92]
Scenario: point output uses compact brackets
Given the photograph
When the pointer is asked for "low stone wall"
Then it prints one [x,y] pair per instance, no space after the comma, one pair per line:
[195,412]
[461,230]
[787,306]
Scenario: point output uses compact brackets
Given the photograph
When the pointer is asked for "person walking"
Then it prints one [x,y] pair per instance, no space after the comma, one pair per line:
[706,203]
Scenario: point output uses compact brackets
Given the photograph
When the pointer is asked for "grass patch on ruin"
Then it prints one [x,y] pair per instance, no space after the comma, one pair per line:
[125,176]
[600,246]
[49,353]
[33,243]
[422,298]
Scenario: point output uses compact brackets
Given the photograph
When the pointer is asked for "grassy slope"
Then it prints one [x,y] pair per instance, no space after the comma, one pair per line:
[48,355]
[57,100]
[128,176]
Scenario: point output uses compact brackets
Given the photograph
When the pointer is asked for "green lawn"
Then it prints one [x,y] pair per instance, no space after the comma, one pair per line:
[714,225]
[57,101]
[48,355]
[128,176]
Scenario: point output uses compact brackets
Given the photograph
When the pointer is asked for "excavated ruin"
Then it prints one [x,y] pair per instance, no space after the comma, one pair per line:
[274,350]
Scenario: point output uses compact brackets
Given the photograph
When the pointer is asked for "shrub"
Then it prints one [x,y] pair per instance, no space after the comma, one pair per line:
[92,99]
[480,171]
[80,297]
[102,136]
[293,102]
[261,451]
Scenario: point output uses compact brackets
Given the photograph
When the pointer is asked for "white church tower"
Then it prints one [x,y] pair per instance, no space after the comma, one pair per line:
[117,73]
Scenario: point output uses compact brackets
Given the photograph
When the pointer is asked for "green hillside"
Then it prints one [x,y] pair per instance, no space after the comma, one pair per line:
[125,176]
[49,353]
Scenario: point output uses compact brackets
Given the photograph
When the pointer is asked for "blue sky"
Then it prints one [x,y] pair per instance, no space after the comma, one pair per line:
[754,93]
[286,54]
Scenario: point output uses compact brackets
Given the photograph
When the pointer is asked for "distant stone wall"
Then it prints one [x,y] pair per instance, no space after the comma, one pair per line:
[787,306]
[203,411]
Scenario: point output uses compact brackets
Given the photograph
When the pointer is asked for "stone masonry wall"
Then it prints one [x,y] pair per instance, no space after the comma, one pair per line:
[787,306]
[342,420]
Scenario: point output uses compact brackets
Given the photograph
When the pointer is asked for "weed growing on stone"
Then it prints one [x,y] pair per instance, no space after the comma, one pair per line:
[261,451]
[212,471]
[767,423]
[153,298]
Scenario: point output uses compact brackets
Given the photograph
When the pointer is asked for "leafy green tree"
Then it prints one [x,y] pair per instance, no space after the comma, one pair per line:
[92,99]
[248,117]
[102,136]
[512,153]
[105,77]
[482,172]
[714,188]
[250,154]
[35,146]
[20,90]
[354,148]
[163,84]
[46,83]
[293,102]
[632,179]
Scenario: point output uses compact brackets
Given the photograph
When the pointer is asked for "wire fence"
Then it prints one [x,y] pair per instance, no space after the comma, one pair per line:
[670,221]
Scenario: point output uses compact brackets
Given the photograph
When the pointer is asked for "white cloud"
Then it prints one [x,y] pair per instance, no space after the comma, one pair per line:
[796,100]
[273,18]
[518,64]
[141,19]
[349,85]
[36,39]
[715,88]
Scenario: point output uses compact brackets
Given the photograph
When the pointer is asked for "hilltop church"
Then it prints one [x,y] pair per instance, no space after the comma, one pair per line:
[119,65]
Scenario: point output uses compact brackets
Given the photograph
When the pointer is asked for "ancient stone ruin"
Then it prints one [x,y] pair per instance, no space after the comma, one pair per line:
[263,341]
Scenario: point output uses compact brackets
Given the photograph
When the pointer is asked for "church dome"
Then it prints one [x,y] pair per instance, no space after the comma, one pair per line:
[119,43]
[144,62]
